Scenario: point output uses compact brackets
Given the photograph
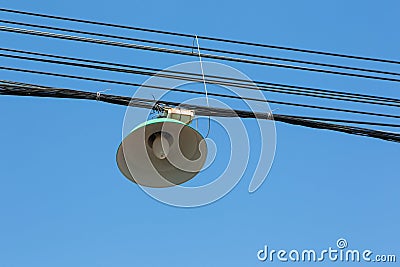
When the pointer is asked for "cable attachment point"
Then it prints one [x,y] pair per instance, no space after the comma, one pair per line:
[183,115]
[158,108]
[98,94]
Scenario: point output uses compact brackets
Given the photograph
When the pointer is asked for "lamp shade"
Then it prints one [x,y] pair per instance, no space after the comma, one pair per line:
[162,152]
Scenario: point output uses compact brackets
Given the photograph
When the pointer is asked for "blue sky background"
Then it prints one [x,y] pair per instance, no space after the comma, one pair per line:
[63,201]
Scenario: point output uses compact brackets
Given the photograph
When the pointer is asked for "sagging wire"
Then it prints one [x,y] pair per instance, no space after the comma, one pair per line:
[23,89]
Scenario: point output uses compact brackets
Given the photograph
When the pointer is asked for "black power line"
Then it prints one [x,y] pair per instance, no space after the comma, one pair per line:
[261,85]
[347,121]
[19,89]
[186,53]
[190,91]
[227,82]
[229,52]
[200,36]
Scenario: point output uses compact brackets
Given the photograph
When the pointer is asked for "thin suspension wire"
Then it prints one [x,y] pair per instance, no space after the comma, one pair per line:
[309,51]
[202,71]
[186,53]
[194,92]
[205,85]
[203,48]
[263,86]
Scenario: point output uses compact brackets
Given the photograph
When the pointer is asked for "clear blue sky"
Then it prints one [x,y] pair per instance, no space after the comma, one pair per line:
[63,201]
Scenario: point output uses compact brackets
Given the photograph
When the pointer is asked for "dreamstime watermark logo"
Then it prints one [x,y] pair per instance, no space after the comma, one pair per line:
[340,253]
[236,134]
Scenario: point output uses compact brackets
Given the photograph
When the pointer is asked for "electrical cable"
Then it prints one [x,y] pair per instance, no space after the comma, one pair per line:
[203,48]
[181,52]
[18,89]
[263,86]
[194,92]
[200,36]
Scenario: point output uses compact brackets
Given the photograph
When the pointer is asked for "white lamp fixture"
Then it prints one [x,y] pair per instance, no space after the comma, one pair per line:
[163,152]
